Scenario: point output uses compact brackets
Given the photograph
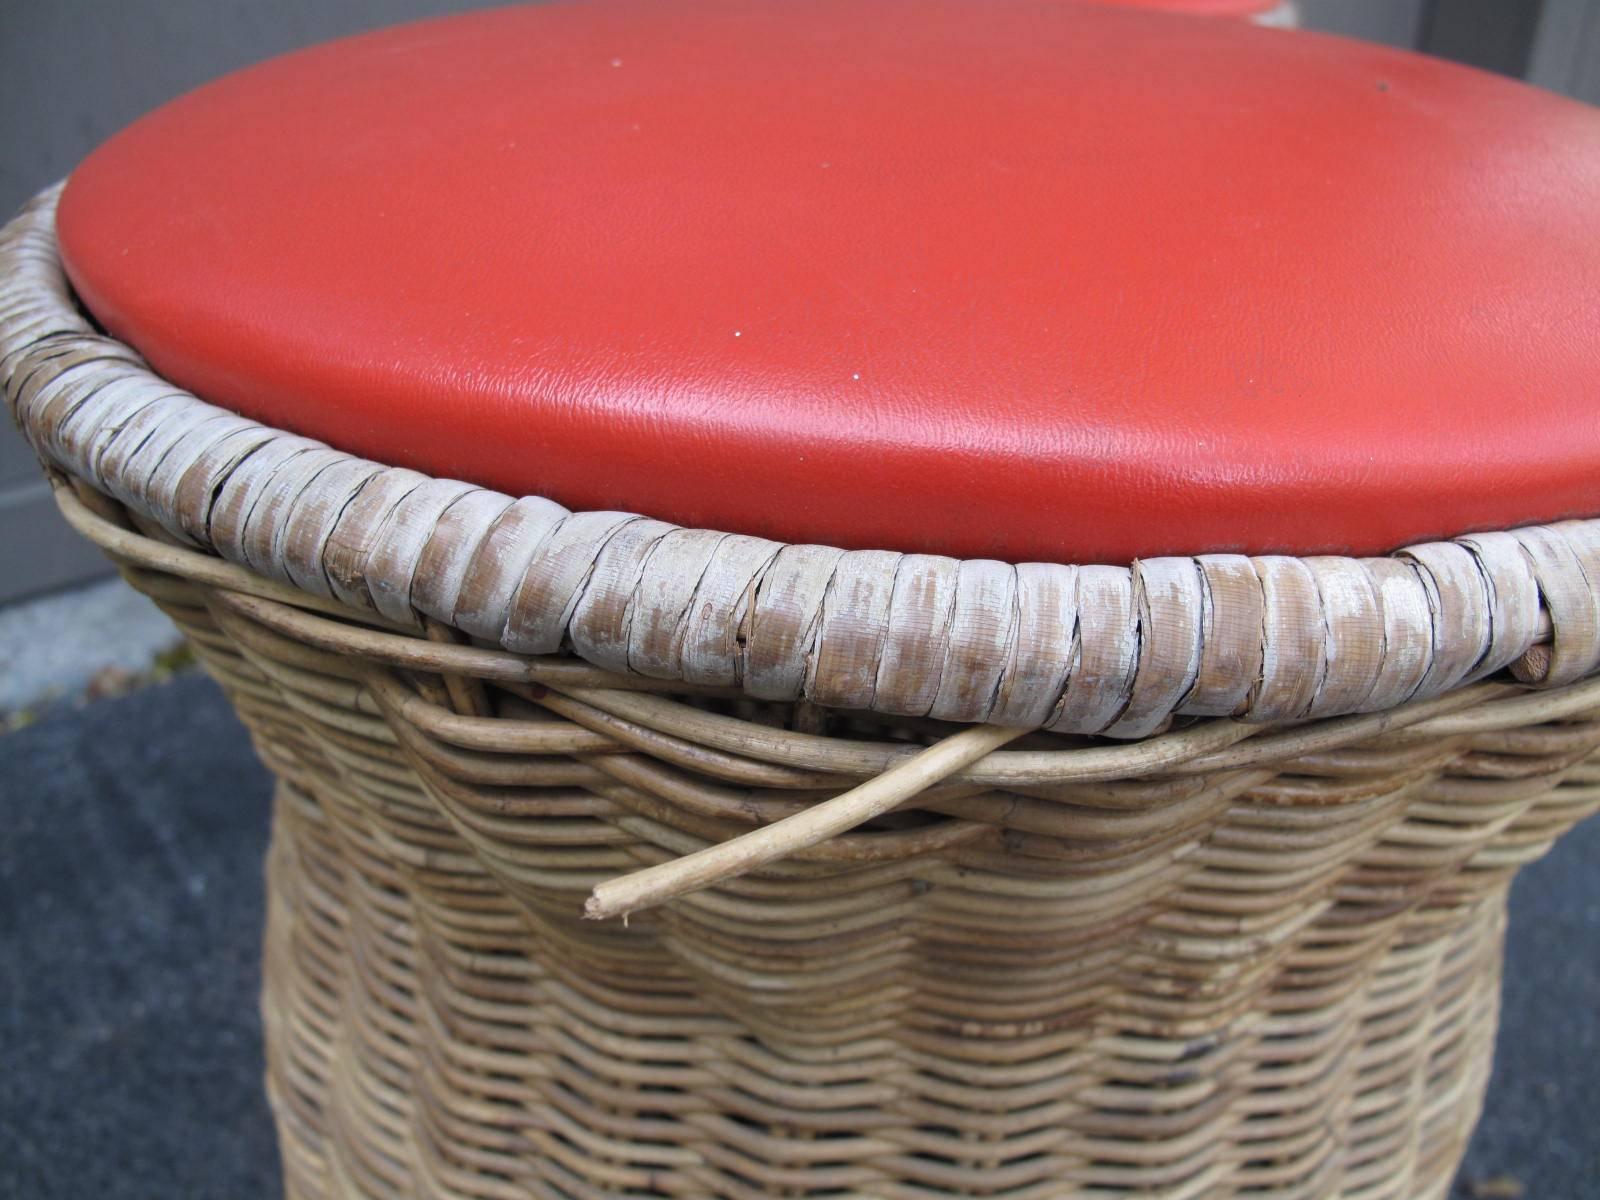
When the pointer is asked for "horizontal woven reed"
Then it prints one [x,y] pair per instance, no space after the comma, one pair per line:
[1229,958]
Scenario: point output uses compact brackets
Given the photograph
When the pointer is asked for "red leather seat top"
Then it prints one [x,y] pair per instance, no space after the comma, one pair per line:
[1033,280]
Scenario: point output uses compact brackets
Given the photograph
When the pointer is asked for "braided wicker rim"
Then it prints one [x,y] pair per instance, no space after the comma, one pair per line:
[1101,650]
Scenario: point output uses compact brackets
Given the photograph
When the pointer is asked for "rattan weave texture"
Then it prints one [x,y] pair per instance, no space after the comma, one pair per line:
[1228,958]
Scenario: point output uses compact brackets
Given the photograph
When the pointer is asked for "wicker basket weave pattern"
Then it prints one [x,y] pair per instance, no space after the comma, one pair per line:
[1215,957]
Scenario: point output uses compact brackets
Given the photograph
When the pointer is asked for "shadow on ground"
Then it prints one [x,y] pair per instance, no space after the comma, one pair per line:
[131,838]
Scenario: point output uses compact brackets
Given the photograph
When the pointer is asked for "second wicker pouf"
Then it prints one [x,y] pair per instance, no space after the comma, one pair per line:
[1114,605]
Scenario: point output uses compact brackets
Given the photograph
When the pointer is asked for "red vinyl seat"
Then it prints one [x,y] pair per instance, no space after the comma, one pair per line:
[1032,281]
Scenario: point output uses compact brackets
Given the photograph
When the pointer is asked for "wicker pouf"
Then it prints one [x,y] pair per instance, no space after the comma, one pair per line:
[1055,782]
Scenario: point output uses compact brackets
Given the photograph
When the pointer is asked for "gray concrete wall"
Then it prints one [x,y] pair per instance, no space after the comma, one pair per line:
[1395,22]
[1566,50]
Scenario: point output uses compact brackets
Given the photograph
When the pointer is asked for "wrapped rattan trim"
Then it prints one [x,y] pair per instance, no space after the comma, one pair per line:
[1091,649]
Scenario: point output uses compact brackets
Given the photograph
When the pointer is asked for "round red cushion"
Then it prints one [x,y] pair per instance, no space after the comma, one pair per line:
[1035,280]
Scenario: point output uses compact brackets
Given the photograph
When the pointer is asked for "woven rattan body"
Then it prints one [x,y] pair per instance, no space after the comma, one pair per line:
[1229,924]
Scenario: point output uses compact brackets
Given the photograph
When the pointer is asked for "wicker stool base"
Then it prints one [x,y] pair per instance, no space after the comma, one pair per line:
[422,1042]
[1275,978]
